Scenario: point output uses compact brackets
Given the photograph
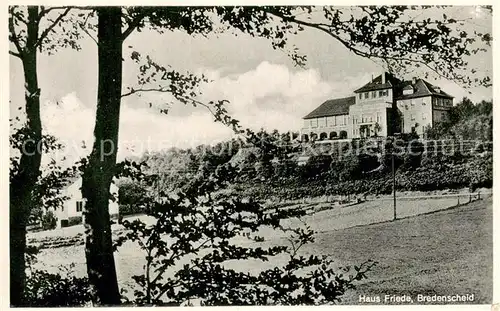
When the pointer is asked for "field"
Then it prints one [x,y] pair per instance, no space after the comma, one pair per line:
[444,251]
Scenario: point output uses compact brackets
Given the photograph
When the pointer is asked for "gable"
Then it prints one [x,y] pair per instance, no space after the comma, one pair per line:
[422,88]
[378,83]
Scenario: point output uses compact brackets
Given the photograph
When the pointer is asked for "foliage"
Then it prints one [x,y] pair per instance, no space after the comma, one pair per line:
[285,168]
[62,289]
[47,192]
[44,289]
[346,168]
[203,228]
[467,121]
[130,192]
[49,220]
[75,220]
[346,172]
[131,209]
[63,21]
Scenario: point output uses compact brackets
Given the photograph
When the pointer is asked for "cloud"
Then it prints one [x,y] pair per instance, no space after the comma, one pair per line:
[141,129]
[271,96]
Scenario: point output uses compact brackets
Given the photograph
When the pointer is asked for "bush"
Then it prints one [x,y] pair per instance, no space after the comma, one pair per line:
[349,167]
[45,289]
[435,173]
[131,209]
[49,221]
[76,220]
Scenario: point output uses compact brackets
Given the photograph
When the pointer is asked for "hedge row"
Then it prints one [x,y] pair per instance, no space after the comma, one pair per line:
[474,174]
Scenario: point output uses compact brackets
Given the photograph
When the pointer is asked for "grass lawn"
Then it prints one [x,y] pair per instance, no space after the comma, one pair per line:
[445,253]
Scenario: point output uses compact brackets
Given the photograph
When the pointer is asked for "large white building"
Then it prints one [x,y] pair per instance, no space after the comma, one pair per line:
[382,107]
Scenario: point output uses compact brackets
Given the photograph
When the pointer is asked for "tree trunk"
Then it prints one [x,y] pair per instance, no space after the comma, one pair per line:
[99,173]
[23,183]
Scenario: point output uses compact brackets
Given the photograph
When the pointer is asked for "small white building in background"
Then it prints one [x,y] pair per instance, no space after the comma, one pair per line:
[75,204]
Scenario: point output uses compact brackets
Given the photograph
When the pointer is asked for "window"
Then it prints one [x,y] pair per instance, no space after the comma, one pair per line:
[374,94]
[62,208]
[330,121]
[314,122]
[334,120]
[346,120]
[360,96]
[366,95]
[322,122]
[382,93]
[79,206]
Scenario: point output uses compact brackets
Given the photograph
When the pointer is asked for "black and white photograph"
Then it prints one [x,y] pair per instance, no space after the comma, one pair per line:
[249,155]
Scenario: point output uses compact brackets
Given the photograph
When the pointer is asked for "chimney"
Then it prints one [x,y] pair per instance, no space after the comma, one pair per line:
[383,77]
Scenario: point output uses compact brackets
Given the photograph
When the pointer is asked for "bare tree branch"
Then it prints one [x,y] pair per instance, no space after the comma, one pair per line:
[15,54]
[45,11]
[132,26]
[350,47]
[82,26]
[13,37]
[19,17]
[133,91]
[179,97]
[173,257]
[51,27]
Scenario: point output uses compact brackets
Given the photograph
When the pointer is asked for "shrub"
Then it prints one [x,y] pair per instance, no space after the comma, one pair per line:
[130,209]
[76,220]
[49,221]
[349,167]
[44,289]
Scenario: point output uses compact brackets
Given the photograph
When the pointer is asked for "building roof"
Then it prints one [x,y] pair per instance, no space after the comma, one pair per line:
[408,87]
[332,107]
[423,88]
[376,84]
[68,181]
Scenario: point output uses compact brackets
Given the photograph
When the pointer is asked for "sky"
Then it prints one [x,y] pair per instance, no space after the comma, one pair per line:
[263,86]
